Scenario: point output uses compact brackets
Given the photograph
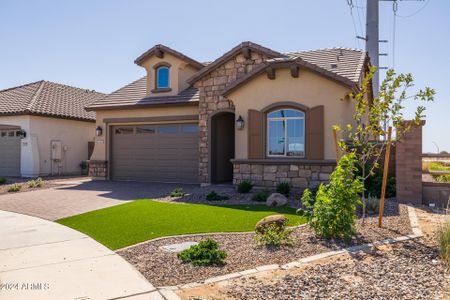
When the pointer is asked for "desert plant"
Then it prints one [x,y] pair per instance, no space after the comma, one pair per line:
[35,183]
[244,186]
[332,214]
[213,196]
[261,196]
[205,253]
[284,188]
[273,235]
[372,204]
[3,180]
[444,243]
[14,188]
[372,117]
[177,192]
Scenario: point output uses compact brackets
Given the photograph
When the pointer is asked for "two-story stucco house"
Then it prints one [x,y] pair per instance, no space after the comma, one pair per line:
[252,114]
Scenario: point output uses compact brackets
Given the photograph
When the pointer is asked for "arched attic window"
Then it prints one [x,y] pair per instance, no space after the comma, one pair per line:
[162,75]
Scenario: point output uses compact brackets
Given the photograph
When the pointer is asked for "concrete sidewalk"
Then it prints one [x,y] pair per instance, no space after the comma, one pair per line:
[40,259]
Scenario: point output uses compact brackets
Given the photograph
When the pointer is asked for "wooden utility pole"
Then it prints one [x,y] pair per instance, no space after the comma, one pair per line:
[385,174]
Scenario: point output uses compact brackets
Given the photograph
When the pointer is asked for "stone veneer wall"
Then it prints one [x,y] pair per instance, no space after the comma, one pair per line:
[98,169]
[210,88]
[299,175]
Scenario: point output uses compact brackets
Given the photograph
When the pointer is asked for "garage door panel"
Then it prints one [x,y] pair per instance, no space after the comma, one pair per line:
[9,154]
[166,157]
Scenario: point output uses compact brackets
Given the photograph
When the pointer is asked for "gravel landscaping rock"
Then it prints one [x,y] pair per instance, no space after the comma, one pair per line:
[163,269]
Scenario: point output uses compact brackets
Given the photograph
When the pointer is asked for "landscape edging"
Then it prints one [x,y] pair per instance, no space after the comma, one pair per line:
[417,232]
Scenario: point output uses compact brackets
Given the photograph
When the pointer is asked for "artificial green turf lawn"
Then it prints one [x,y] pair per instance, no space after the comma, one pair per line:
[130,223]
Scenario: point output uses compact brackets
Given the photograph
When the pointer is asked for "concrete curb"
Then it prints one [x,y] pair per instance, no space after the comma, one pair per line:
[417,232]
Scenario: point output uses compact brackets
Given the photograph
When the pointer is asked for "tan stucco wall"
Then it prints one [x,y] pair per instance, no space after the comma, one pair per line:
[101,143]
[74,136]
[308,89]
[179,72]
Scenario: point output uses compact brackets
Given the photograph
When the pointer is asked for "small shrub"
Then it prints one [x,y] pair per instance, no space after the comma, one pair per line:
[444,243]
[213,196]
[373,185]
[35,183]
[205,253]
[14,188]
[177,192]
[244,187]
[284,188]
[3,180]
[273,235]
[332,214]
[442,178]
[372,205]
[261,196]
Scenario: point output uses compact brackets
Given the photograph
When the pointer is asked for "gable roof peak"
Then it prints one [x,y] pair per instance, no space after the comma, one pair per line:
[159,50]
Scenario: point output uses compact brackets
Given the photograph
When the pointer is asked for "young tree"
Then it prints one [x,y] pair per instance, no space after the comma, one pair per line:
[372,117]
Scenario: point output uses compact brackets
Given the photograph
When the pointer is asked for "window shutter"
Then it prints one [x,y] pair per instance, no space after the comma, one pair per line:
[255,134]
[315,133]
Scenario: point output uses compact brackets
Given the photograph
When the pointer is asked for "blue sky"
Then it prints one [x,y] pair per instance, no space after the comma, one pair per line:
[93,43]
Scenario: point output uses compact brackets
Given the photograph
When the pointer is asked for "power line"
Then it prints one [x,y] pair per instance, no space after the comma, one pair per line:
[417,11]
[351,5]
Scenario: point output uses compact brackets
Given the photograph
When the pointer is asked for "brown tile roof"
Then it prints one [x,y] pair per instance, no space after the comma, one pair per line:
[225,57]
[345,62]
[48,99]
[133,95]
[175,53]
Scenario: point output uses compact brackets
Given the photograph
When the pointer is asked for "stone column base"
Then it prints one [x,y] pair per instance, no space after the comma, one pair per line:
[98,169]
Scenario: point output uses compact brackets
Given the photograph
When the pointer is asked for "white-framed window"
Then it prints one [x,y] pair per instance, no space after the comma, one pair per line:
[286,133]
[162,77]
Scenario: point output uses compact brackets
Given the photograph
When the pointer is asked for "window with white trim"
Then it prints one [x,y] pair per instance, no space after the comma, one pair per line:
[286,133]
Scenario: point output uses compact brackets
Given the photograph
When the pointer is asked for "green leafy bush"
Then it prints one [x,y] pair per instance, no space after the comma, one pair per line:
[332,214]
[261,196]
[273,235]
[244,187]
[3,180]
[284,188]
[35,183]
[14,188]
[442,178]
[444,243]
[213,196]
[177,192]
[205,253]
[373,184]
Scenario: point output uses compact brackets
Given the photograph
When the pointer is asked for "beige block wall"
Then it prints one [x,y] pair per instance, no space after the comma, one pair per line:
[74,135]
[308,89]
[179,72]
[101,143]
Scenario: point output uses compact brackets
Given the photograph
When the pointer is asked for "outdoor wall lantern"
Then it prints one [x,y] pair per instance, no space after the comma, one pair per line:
[99,131]
[21,133]
[240,123]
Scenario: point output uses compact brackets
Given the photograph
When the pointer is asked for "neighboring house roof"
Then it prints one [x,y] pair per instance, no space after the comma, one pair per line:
[225,57]
[344,66]
[134,95]
[50,99]
[160,49]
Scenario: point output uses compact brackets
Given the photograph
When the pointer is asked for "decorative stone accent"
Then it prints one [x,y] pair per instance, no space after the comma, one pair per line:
[278,220]
[210,89]
[98,169]
[299,175]
[276,199]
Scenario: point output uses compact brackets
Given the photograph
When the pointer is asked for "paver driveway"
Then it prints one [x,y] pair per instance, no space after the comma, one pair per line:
[40,259]
[80,196]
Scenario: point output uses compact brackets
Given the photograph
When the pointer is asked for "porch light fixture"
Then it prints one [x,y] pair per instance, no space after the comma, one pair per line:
[21,133]
[240,123]
[99,131]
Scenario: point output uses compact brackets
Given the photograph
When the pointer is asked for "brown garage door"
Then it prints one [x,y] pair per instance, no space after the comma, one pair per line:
[163,153]
[9,153]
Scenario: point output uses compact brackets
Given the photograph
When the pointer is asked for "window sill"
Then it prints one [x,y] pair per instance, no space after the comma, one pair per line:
[285,161]
[164,90]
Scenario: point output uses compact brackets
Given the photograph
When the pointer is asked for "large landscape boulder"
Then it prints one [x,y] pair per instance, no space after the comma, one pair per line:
[278,220]
[276,199]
